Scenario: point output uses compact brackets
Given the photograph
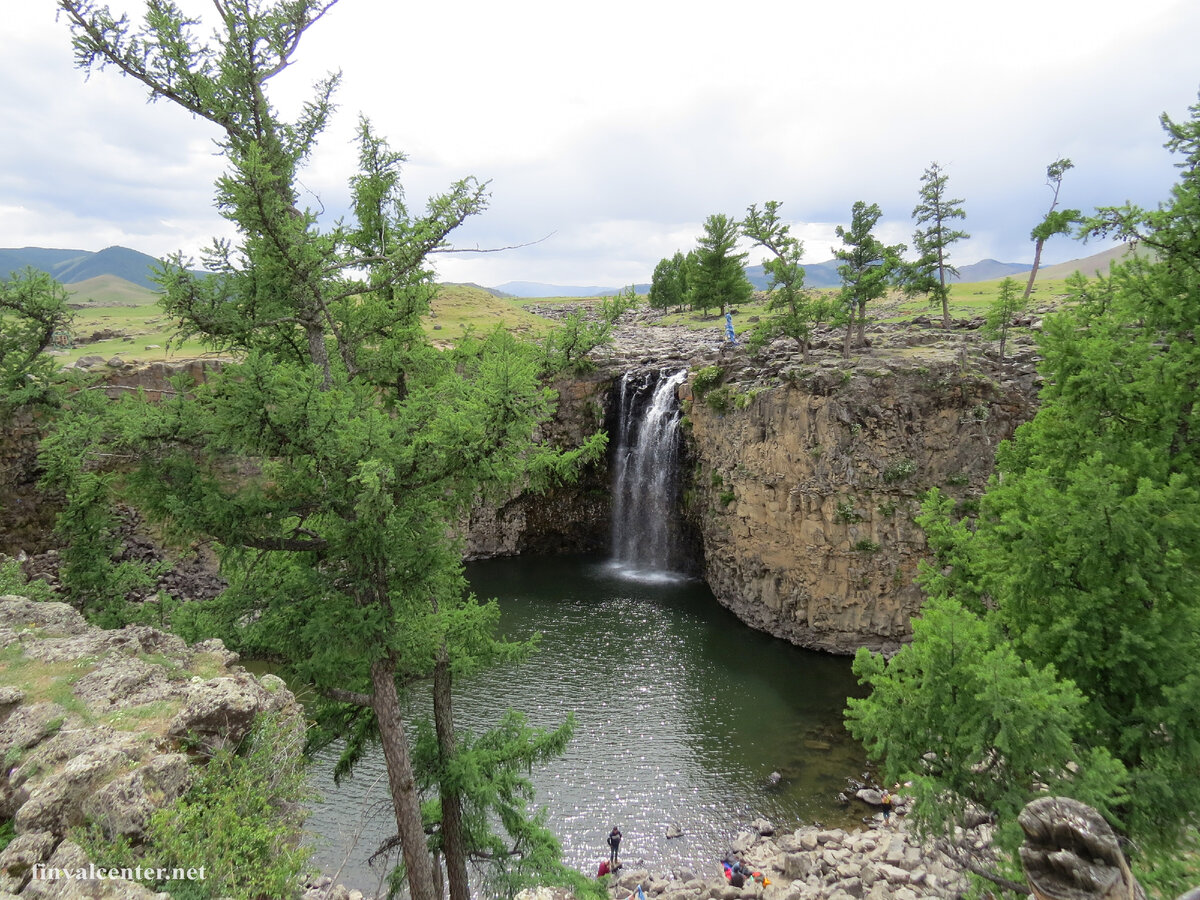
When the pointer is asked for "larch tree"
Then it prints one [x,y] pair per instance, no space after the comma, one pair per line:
[868,269]
[667,283]
[331,459]
[1079,583]
[795,312]
[719,277]
[1056,221]
[999,316]
[33,312]
[936,212]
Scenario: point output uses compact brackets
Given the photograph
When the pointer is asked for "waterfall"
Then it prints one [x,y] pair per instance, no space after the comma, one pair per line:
[645,463]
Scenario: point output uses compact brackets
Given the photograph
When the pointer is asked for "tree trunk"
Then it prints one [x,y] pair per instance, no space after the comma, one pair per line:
[405,799]
[453,846]
[862,323]
[849,332]
[1037,258]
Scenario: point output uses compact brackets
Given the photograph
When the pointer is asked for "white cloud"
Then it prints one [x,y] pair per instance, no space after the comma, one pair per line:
[618,128]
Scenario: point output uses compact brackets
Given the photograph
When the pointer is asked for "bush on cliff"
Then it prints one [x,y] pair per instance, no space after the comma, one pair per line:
[240,820]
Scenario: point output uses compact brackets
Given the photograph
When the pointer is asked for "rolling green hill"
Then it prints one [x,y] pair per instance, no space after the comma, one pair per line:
[74,266]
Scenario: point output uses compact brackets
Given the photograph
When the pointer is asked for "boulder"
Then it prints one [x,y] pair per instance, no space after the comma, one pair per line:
[71,857]
[23,853]
[221,711]
[56,803]
[1071,853]
[123,806]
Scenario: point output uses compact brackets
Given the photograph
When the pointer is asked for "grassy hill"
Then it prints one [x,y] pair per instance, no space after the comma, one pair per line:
[1090,266]
[114,317]
[110,290]
[74,266]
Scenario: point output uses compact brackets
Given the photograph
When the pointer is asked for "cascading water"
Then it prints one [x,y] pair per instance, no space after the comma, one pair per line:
[644,521]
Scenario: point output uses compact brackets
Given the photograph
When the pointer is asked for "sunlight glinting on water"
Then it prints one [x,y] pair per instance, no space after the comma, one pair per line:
[681,714]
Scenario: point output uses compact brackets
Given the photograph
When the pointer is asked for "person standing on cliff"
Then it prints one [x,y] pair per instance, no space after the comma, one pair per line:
[614,845]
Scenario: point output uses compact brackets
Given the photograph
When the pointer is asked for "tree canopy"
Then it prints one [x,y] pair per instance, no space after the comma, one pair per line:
[937,213]
[1082,568]
[331,458]
[868,268]
[719,276]
[795,312]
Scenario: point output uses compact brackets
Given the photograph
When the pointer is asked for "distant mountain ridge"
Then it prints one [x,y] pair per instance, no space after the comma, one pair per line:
[72,266]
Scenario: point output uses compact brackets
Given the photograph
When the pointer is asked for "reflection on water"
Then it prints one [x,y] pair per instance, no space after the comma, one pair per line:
[682,713]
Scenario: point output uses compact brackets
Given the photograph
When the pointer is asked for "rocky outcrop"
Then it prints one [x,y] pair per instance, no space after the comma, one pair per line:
[807,478]
[570,517]
[1071,853]
[880,862]
[104,727]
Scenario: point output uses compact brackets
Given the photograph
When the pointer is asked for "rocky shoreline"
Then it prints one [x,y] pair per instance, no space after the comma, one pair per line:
[877,862]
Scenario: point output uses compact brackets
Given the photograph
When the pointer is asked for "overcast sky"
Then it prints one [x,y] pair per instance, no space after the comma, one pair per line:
[614,129]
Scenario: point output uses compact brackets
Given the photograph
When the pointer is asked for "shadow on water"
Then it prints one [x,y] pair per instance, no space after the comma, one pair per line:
[682,713]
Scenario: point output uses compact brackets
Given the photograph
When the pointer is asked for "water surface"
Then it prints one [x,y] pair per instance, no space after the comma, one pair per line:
[682,713]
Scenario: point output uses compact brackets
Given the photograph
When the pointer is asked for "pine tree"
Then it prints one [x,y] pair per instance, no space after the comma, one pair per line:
[666,285]
[1085,559]
[331,458]
[933,242]
[868,269]
[719,278]
[795,312]
[1000,313]
[1056,221]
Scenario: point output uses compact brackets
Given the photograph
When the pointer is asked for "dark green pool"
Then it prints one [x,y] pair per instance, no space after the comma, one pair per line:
[682,714]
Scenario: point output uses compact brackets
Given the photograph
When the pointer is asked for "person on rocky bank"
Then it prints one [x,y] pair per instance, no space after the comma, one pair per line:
[614,846]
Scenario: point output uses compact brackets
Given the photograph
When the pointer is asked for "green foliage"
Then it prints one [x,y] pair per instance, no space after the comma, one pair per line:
[898,470]
[868,269]
[1064,624]
[13,581]
[240,819]
[1001,311]
[488,771]
[329,462]
[719,277]
[721,400]
[727,497]
[970,723]
[866,545]
[794,312]
[1056,221]
[33,309]
[706,379]
[846,513]
[927,275]
[668,284]
[566,347]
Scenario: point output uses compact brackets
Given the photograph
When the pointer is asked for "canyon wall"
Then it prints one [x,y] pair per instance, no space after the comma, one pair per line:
[804,485]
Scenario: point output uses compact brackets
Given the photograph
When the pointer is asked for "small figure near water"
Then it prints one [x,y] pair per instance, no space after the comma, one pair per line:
[887,802]
[614,846]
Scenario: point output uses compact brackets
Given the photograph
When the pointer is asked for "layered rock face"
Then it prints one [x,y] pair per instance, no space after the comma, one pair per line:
[805,485]
[101,727]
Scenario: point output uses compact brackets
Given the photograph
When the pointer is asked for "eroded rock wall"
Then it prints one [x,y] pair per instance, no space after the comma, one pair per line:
[805,484]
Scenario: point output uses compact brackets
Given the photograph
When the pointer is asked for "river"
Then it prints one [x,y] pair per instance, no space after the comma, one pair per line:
[682,714]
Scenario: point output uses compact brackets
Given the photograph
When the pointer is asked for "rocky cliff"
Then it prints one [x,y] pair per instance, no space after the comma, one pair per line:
[102,727]
[807,478]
